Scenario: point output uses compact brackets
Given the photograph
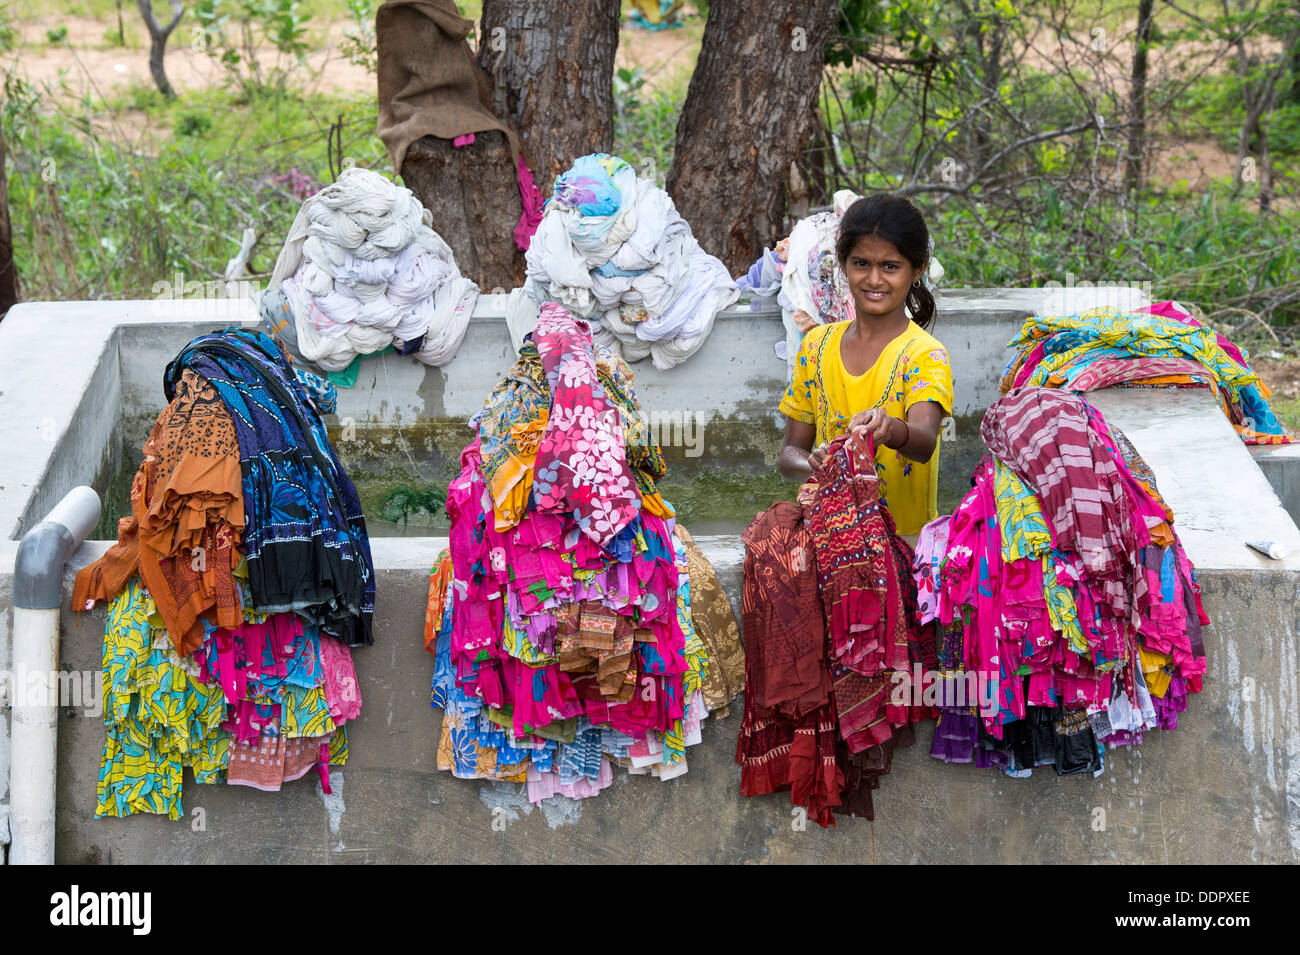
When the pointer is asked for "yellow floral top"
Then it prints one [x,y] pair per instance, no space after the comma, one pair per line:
[912,368]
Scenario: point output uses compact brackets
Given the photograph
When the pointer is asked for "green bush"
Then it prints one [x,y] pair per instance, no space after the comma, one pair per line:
[194,124]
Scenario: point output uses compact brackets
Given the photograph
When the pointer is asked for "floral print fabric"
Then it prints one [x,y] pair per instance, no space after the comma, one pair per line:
[197,673]
[271,693]
[1060,350]
[581,466]
[564,634]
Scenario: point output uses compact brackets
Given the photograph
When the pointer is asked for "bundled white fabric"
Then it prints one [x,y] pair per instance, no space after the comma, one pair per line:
[521,316]
[604,338]
[555,272]
[709,288]
[363,269]
[638,269]
[334,352]
[679,332]
[451,307]
[630,347]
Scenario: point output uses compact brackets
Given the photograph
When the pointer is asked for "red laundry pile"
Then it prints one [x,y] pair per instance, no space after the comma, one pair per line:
[828,611]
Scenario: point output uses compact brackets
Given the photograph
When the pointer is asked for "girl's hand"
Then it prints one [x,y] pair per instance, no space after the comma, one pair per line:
[885,431]
[817,457]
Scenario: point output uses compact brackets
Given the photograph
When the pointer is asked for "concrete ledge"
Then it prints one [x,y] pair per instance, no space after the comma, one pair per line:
[1222,788]
[1280,464]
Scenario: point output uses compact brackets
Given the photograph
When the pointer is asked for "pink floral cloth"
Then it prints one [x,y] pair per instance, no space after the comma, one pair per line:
[581,465]
[342,690]
[931,546]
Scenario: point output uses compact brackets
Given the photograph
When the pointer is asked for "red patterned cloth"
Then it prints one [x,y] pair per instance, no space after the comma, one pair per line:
[781,616]
[811,724]
[859,579]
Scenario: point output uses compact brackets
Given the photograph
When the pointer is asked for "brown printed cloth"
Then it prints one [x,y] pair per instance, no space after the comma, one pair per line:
[430,84]
[189,511]
[862,771]
[776,754]
[715,623]
[187,520]
[788,730]
[827,746]
[106,577]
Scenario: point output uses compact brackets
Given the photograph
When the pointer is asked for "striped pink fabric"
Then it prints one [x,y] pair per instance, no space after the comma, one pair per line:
[1110,371]
[1043,435]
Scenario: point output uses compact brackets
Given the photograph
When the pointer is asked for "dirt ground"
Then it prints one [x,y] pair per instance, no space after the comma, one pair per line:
[89,64]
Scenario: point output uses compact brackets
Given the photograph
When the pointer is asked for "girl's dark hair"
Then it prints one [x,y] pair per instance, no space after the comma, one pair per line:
[896,220]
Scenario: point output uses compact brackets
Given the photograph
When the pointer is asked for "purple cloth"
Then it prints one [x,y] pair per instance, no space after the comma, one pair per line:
[764,276]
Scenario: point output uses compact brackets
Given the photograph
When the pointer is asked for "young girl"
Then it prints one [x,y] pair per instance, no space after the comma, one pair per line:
[881,370]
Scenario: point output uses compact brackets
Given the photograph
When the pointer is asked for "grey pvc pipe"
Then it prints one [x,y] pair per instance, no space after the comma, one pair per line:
[38,570]
[38,594]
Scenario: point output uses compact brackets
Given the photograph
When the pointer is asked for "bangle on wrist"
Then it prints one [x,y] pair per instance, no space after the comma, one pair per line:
[907,436]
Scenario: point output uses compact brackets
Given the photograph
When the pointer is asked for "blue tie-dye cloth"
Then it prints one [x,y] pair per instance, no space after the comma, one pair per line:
[305,538]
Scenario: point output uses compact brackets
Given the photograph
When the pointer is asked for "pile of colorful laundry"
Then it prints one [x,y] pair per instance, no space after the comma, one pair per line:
[1069,615]
[575,626]
[829,610]
[362,270]
[236,586]
[1161,345]
[612,247]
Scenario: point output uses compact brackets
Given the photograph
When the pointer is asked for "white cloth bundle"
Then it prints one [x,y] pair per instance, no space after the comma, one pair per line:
[641,261]
[521,316]
[333,352]
[450,310]
[363,269]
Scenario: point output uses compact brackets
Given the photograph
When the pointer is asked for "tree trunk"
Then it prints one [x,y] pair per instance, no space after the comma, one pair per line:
[552,65]
[8,273]
[813,160]
[1253,160]
[748,113]
[989,58]
[158,35]
[474,197]
[1138,99]
[1293,96]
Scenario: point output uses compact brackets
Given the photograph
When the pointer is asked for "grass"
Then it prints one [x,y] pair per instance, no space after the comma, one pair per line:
[1288,412]
[106,10]
[109,214]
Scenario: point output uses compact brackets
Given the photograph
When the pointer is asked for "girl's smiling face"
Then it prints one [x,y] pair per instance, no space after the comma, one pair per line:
[879,276]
